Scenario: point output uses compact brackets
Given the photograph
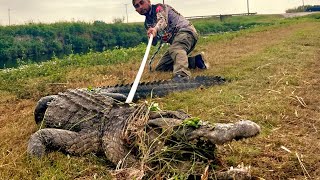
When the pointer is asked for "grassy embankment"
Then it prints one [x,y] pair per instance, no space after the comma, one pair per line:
[274,73]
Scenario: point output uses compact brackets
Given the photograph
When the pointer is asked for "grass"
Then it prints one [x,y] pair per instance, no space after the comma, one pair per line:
[274,73]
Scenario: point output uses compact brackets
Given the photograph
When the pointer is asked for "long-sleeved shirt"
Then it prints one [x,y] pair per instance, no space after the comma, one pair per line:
[167,21]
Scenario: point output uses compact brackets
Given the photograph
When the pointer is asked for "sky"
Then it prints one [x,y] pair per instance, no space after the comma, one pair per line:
[50,11]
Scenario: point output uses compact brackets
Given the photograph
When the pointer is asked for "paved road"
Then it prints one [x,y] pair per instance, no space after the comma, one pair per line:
[290,15]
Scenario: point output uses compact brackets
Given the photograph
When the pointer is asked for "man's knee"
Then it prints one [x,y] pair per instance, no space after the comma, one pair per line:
[176,52]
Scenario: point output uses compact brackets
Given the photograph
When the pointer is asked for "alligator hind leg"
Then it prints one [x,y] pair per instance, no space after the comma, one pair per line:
[75,143]
[41,107]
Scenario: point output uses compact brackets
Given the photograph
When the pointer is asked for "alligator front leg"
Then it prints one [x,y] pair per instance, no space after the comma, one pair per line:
[41,107]
[77,143]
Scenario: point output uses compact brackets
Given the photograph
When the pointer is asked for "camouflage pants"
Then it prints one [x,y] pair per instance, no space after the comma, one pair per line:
[176,57]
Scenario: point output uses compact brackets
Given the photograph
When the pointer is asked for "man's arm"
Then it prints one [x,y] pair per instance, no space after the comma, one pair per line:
[162,18]
[162,21]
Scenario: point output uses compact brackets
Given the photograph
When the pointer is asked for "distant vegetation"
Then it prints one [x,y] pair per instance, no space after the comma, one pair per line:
[304,9]
[29,43]
[36,42]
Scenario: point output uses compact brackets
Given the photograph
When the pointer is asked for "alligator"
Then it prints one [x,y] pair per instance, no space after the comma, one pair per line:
[145,89]
[131,136]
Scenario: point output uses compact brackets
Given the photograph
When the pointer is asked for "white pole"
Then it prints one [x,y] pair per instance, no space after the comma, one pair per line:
[9,15]
[248,7]
[138,77]
[126,11]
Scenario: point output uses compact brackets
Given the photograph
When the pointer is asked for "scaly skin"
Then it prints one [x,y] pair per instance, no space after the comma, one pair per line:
[160,88]
[79,122]
[144,89]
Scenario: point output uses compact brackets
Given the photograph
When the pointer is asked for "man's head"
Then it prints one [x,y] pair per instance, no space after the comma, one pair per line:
[142,6]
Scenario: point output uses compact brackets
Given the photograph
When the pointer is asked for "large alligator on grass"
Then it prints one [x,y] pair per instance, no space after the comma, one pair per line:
[144,90]
[138,139]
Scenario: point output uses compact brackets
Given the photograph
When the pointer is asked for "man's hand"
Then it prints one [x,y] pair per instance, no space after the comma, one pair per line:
[166,37]
[152,31]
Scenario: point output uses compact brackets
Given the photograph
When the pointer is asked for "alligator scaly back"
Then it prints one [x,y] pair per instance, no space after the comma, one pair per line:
[162,87]
[144,90]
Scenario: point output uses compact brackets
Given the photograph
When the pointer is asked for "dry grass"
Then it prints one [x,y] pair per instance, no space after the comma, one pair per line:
[275,82]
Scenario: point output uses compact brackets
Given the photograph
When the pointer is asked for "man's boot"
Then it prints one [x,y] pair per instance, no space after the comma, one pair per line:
[192,62]
[197,61]
[180,77]
[200,61]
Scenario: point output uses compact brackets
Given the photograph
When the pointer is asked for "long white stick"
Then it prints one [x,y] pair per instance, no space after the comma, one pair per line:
[138,77]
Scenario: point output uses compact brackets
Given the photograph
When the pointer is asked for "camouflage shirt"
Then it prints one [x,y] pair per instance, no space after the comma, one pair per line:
[167,21]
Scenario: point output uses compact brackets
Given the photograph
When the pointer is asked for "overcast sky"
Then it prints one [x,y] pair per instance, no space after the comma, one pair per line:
[48,11]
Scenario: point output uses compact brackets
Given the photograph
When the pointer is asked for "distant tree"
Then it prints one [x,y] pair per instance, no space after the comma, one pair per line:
[298,9]
[118,20]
